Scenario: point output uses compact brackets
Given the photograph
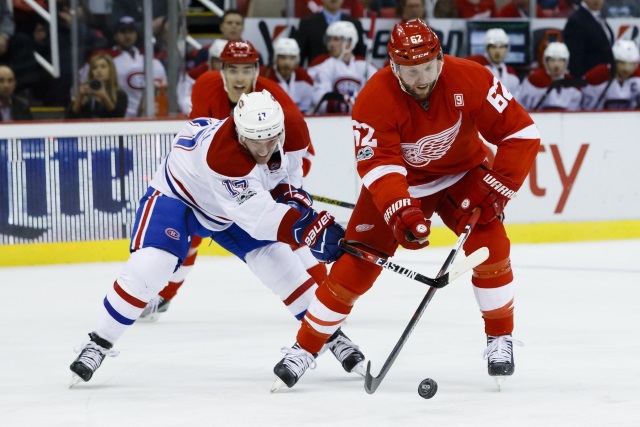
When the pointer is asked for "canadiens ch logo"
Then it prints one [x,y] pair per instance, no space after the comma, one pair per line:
[430,147]
[172,233]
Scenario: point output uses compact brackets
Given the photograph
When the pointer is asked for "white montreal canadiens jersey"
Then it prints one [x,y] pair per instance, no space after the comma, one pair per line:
[562,98]
[219,200]
[511,81]
[334,75]
[130,69]
[300,91]
[618,96]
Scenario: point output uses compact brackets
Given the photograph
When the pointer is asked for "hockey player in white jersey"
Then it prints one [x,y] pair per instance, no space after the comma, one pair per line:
[497,46]
[551,87]
[286,71]
[616,88]
[340,71]
[239,177]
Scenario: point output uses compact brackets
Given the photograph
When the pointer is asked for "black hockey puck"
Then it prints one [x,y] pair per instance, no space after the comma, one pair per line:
[427,388]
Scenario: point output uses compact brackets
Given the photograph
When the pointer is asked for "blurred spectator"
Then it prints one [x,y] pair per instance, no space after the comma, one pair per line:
[129,63]
[550,88]
[289,75]
[614,87]
[100,96]
[12,107]
[518,9]
[476,9]
[16,51]
[311,30]
[57,91]
[621,8]
[496,43]
[134,9]
[304,8]
[446,9]
[340,72]
[408,10]
[588,37]
[558,8]
[231,28]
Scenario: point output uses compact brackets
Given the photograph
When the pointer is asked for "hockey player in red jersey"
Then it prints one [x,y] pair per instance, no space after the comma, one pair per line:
[418,152]
[215,94]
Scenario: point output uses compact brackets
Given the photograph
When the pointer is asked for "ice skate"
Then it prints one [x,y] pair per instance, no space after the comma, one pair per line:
[499,355]
[347,353]
[151,312]
[289,370]
[92,353]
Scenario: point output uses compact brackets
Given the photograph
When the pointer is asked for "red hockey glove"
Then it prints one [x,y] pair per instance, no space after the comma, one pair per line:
[482,188]
[408,223]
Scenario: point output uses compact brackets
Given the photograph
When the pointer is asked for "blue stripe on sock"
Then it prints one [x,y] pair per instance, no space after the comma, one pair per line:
[117,316]
[299,316]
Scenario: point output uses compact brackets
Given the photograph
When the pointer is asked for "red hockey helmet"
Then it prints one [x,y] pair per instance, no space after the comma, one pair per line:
[239,52]
[413,43]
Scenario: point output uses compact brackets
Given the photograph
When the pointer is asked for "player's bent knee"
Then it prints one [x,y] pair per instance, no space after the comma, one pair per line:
[147,272]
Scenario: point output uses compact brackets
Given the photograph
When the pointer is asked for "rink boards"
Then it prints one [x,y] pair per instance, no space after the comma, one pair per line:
[69,191]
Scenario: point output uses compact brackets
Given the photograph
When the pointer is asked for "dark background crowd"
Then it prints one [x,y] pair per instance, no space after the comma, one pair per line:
[111,45]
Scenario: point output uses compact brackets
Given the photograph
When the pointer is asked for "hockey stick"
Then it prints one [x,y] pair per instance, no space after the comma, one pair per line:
[372,383]
[356,249]
[333,201]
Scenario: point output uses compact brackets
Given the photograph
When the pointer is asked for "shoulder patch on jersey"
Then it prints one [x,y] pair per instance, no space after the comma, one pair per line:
[319,59]
[539,78]
[226,156]
[511,70]
[598,74]
[302,75]
[364,153]
[480,59]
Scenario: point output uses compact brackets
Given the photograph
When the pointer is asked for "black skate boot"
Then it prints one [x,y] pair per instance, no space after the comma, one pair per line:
[91,356]
[347,353]
[289,370]
[499,355]
[154,307]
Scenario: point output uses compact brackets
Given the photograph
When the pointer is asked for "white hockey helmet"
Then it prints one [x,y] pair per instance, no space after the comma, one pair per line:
[216,48]
[345,30]
[258,116]
[286,46]
[556,50]
[496,36]
[626,51]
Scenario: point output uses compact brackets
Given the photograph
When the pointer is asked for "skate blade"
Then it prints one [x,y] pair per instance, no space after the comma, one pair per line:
[360,369]
[75,380]
[278,385]
[499,381]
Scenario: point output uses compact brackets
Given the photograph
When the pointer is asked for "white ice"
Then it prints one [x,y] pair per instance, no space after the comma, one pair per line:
[208,361]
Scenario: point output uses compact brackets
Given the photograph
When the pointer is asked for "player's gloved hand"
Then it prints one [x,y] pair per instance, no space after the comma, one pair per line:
[296,198]
[320,233]
[484,189]
[408,223]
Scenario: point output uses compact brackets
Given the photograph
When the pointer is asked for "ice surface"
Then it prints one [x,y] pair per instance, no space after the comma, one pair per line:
[208,361]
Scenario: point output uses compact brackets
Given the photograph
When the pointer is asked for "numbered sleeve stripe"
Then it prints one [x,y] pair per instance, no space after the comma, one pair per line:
[117,316]
[138,238]
[299,291]
[127,297]
[217,220]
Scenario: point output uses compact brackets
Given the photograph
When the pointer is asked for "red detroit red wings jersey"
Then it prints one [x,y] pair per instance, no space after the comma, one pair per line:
[403,145]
